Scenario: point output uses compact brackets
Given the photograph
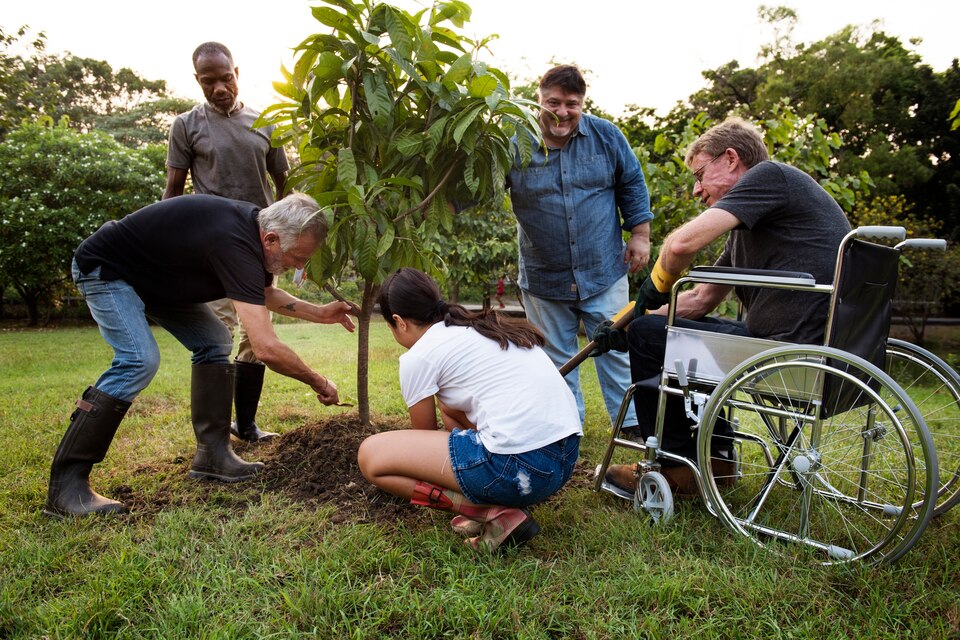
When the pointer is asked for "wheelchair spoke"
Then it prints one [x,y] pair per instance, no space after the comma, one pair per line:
[934,388]
[831,457]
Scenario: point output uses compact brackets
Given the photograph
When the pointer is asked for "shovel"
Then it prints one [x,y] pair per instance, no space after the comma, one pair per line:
[622,319]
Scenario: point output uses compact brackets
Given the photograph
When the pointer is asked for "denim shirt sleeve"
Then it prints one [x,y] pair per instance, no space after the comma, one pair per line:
[572,205]
[633,199]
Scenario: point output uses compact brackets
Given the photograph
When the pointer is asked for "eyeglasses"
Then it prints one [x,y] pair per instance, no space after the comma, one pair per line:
[698,174]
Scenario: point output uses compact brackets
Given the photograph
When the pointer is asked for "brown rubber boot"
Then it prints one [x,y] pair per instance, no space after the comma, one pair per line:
[211,397]
[92,427]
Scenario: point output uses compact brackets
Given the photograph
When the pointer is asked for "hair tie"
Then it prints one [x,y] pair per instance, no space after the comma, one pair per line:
[442,307]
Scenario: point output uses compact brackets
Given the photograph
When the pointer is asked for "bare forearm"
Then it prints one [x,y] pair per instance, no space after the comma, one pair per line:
[279,301]
[700,301]
[283,360]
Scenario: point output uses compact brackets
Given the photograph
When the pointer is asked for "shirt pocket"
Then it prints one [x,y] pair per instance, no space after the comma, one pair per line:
[536,184]
[594,172]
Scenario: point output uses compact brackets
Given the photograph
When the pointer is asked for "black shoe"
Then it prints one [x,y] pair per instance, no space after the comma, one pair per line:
[252,435]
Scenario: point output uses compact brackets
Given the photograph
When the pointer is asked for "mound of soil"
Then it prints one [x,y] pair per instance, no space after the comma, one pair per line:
[317,464]
[314,465]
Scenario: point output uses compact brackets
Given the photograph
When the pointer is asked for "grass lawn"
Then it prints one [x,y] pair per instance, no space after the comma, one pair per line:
[231,561]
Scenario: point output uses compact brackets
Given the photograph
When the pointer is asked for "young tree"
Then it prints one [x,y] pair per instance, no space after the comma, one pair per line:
[57,187]
[395,117]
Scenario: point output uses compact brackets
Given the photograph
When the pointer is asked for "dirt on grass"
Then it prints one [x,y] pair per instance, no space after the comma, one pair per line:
[317,464]
[314,465]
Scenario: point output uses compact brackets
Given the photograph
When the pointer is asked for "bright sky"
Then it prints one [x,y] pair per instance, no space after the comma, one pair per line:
[640,52]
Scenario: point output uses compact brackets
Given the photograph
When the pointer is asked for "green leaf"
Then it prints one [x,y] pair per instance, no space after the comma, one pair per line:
[465,119]
[458,71]
[386,241]
[332,97]
[397,29]
[378,98]
[347,6]
[304,66]
[469,177]
[328,66]
[332,18]
[367,262]
[346,168]
[285,89]
[409,145]
[482,86]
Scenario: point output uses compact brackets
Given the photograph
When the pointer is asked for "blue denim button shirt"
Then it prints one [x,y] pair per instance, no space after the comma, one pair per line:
[568,204]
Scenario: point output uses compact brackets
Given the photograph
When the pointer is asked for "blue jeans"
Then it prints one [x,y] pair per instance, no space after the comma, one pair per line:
[122,316]
[560,321]
[514,479]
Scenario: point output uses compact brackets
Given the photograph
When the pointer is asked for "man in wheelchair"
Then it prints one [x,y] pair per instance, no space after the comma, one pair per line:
[778,217]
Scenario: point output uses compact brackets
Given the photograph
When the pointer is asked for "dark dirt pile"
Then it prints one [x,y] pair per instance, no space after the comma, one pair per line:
[314,465]
[317,464]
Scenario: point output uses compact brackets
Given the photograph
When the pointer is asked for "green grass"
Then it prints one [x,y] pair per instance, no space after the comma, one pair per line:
[213,565]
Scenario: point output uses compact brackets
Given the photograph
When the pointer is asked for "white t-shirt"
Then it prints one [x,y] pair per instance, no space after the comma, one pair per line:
[516,397]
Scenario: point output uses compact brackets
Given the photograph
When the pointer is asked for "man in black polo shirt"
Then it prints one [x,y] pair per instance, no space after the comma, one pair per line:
[163,263]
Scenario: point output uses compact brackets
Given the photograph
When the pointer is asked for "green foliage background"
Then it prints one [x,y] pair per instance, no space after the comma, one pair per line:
[58,186]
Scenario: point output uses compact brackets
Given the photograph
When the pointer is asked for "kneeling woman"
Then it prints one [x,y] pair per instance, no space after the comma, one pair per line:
[512,430]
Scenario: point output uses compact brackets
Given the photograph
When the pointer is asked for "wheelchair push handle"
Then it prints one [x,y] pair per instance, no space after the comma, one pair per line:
[881,232]
[924,243]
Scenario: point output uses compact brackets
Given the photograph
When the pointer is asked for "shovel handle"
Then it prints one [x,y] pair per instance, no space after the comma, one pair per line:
[622,319]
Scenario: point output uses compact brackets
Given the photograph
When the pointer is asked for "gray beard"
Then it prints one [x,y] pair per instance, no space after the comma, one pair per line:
[236,105]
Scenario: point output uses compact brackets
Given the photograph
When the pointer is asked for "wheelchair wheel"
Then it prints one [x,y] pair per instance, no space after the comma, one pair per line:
[653,495]
[935,389]
[833,456]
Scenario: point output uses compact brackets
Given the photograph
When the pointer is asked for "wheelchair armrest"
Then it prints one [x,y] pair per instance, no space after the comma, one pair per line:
[732,275]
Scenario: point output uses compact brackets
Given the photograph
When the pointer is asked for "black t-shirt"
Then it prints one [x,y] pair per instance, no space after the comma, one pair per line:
[193,248]
[789,223]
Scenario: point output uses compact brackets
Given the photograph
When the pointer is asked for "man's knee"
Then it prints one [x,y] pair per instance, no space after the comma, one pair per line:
[216,346]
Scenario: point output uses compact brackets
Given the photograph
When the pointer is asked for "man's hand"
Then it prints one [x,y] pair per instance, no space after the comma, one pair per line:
[650,298]
[327,393]
[339,312]
[608,338]
[637,254]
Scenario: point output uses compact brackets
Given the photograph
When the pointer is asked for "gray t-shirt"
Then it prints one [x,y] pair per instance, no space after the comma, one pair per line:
[224,155]
[789,223]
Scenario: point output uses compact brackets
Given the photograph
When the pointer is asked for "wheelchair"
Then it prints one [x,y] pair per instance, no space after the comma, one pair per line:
[822,451]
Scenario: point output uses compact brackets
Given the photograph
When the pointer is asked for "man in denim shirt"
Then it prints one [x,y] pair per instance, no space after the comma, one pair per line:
[569,202]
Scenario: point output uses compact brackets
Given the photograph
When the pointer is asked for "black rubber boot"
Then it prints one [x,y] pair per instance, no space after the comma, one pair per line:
[211,397]
[92,427]
[246,400]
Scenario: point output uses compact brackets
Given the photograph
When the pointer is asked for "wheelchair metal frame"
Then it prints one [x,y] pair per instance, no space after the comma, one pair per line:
[893,487]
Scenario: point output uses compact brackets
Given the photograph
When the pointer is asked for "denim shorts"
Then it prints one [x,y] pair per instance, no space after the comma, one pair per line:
[511,480]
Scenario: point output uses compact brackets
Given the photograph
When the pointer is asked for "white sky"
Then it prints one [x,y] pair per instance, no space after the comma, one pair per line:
[646,53]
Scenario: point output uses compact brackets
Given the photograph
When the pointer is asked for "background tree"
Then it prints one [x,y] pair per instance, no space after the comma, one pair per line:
[89,92]
[394,117]
[481,247]
[928,279]
[57,187]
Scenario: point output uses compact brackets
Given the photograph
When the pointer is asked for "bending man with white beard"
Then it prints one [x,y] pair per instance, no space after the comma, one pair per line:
[573,203]
[163,263]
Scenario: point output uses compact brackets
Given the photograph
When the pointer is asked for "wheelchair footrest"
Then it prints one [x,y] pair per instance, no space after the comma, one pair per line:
[612,488]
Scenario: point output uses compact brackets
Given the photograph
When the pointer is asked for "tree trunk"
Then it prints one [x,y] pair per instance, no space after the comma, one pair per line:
[31,300]
[370,292]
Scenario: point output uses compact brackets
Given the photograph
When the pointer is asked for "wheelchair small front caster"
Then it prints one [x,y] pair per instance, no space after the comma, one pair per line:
[653,495]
